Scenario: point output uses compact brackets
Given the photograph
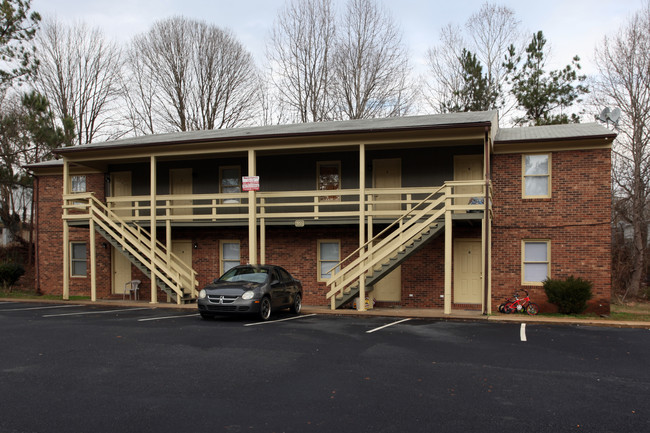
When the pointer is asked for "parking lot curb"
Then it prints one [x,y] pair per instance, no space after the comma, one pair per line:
[420,313]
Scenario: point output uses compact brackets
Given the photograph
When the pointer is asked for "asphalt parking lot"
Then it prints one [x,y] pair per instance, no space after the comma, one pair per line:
[70,368]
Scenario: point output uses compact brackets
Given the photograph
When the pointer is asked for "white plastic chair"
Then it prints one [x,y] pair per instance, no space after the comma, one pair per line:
[133,287]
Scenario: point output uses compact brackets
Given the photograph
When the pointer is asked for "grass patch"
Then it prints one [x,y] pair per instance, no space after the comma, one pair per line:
[33,295]
[631,311]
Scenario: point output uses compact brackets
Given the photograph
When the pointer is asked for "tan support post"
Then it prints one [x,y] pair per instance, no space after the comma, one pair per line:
[66,231]
[252,217]
[152,220]
[93,258]
[448,250]
[262,233]
[361,306]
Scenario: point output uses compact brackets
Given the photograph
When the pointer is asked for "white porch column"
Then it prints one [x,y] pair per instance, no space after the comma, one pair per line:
[66,231]
[252,209]
[152,224]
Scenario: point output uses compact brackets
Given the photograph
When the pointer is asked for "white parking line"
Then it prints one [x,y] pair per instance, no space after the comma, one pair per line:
[167,317]
[386,326]
[39,308]
[279,320]
[96,312]
[522,332]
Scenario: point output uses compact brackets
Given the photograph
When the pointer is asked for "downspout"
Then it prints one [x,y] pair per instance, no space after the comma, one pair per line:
[37,274]
[486,216]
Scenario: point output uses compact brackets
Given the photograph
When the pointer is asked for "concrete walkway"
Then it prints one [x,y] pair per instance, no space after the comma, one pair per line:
[419,313]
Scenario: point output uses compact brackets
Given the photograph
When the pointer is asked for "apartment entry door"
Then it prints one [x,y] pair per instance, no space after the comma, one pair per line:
[183,249]
[467,167]
[121,187]
[180,183]
[468,281]
[121,270]
[387,173]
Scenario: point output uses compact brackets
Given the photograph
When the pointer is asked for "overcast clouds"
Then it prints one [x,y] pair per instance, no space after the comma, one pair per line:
[571,26]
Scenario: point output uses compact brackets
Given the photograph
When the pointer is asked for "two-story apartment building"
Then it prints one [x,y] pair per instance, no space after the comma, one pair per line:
[444,211]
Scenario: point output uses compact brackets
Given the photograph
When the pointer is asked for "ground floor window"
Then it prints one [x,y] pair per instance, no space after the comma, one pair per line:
[230,255]
[536,257]
[329,254]
[78,267]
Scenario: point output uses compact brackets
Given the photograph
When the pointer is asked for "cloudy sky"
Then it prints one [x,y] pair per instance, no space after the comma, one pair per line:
[571,26]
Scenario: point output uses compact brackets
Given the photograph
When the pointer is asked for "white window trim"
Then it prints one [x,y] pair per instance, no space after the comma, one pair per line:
[524,262]
[524,176]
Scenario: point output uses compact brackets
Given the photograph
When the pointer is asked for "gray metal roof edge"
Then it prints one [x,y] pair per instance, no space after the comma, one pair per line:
[435,121]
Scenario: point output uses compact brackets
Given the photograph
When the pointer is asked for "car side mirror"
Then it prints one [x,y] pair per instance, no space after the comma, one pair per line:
[274,282]
[216,280]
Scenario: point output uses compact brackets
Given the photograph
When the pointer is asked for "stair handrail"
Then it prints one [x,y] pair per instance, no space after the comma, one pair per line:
[135,238]
[409,234]
[397,221]
[181,268]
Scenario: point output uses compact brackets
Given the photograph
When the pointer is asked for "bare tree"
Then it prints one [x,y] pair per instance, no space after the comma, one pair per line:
[371,64]
[446,69]
[492,30]
[300,58]
[623,62]
[487,34]
[79,74]
[188,75]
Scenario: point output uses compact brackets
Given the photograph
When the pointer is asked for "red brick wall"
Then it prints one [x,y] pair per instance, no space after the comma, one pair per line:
[50,240]
[576,219]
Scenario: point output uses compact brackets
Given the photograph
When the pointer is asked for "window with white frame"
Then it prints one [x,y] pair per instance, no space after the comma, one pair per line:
[78,266]
[230,255]
[329,179]
[329,255]
[537,175]
[536,261]
[230,182]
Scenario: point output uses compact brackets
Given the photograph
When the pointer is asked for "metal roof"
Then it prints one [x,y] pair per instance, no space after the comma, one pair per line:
[553,132]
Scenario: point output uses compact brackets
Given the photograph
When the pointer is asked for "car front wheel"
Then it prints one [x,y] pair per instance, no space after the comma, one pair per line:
[265,308]
[297,304]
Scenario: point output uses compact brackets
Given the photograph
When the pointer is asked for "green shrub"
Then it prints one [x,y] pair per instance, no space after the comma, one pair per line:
[9,274]
[570,295]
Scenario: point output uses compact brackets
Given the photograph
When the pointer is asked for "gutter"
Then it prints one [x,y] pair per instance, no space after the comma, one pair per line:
[82,148]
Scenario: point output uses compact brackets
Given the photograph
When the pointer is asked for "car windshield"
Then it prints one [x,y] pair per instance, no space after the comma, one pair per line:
[253,275]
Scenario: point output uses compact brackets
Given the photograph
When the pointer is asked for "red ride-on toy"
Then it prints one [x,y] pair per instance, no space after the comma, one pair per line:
[517,304]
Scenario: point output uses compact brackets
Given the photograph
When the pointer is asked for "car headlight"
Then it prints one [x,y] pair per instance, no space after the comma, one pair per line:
[248,295]
[202,294]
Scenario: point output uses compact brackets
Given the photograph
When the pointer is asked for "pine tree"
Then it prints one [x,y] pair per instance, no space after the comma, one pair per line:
[543,97]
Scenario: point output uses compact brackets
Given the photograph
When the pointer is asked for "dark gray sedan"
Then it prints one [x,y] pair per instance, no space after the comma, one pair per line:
[251,289]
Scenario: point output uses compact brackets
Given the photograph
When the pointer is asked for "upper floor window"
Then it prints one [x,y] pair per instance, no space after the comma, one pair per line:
[537,175]
[230,182]
[78,183]
[329,179]
[536,261]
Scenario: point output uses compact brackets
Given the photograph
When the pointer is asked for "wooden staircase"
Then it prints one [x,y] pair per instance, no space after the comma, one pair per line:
[171,274]
[382,254]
